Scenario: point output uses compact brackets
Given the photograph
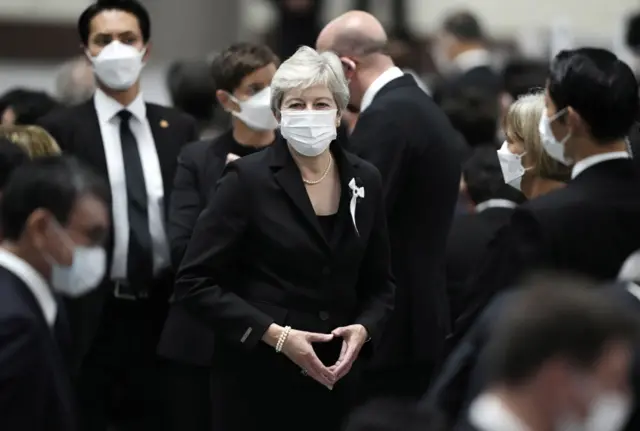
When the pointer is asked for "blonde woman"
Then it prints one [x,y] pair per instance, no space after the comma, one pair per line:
[525,164]
[34,140]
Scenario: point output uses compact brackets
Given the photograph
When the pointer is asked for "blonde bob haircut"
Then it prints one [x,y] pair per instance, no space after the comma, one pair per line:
[521,125]
[307,68]
[34,140]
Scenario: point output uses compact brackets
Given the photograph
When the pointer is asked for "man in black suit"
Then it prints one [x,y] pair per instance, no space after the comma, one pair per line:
[461,55]
[471,233]
[590,226]
[135,145]
[55,220]
[410,140]
[243,74]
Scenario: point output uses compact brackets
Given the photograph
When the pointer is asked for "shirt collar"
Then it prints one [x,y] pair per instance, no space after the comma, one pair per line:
[34,281]
[590,161]
[107,108]
[489,413]
[382,80]
[495,203]
[471,59]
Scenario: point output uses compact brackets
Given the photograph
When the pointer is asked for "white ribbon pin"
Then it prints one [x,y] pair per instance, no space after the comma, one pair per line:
[356,192]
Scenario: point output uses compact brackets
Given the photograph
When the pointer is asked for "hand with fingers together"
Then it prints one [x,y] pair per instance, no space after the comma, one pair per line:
[298,347]
[353,338]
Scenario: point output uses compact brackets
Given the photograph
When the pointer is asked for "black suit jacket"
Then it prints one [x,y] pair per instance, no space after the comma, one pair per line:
[588,227]
[410,140]
[77,131]
[258,254]
[35,390]
[464,375]
[469,238]
[200,166]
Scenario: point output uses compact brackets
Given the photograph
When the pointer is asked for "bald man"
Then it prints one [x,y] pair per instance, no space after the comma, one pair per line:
[402,131]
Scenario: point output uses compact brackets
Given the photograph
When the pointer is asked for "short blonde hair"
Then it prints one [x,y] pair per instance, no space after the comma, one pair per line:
[521,125]
[307,68]
[34,140]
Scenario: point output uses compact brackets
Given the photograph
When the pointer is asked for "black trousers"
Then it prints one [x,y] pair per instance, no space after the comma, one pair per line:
[121,385]
[189,397]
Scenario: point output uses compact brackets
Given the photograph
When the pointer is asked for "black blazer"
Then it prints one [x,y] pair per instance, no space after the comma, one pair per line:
[410,140]
[35,390]
[77,131]
[258,254]
[465,376]
[469,238]
[200,165]
[589,227]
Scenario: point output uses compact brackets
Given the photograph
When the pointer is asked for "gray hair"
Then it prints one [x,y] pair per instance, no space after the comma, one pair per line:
[307,68]
[75,83]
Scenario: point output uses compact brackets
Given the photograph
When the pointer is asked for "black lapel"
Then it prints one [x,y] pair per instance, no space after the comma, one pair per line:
[166,141]
[288,177]
[346,171]
[91,145]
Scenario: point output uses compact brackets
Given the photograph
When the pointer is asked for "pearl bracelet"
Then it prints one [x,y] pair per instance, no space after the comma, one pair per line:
[282,338]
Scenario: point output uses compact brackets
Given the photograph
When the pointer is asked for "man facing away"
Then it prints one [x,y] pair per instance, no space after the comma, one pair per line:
[410,140]
[55,220]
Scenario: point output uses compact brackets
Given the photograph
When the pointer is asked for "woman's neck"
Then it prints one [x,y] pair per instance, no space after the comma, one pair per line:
[248,137]
[540,186]
[524,405]
[312,167]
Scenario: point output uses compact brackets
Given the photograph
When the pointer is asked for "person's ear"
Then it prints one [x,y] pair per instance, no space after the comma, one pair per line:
[225,101]
[574,121]
[37,228]
[277,115]
[349,67]
[147,52]
[338,118]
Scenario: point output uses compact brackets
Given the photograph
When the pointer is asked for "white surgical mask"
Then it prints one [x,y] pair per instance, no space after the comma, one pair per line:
[256,112]
[553,147]
[511,166]
[309,132]
[609,412]
[85,273]
[118,66]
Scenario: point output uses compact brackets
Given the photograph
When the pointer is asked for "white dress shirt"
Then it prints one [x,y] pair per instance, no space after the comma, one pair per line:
[34,281]
[489,413]
[107,109]
[495,203]
[590,161]
[382,80]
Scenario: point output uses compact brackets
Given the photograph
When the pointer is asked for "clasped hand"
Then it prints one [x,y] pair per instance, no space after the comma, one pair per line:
[299,349]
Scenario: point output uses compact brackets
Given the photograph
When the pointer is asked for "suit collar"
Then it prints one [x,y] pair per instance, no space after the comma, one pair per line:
[619,168]
[585,164]
[288,176]
[36,284]
[382,80]
[405,81]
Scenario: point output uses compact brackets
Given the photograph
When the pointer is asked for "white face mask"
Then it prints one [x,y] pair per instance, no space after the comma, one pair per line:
[256,112]
[309,132]
[609,412]
[118,66]
[85,273]
[511,165]
[551,145]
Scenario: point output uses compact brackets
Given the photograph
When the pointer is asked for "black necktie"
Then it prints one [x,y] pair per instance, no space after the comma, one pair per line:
[140,251]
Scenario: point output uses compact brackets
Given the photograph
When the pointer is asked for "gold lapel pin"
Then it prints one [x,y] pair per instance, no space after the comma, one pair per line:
[164,124]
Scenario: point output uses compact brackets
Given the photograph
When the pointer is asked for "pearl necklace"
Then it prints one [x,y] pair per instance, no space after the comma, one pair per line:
[324,175]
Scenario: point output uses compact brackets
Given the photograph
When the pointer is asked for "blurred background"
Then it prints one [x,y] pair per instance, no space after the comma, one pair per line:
[38,36]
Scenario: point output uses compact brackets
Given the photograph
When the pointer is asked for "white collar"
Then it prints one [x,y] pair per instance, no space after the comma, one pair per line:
[471,59]
[630,269]
[590,161]
[34,281]
[495,203]
[382,80]
[107,108]
[489,413]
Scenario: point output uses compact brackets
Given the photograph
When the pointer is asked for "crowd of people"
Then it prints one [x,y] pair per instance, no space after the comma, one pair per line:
[355,250]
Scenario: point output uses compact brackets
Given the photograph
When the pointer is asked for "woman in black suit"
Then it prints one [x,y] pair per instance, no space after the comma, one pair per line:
[242,74]
[289,264]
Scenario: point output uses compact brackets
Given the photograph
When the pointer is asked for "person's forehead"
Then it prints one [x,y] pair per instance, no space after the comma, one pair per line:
[89,211]
[114,21]
[314,92]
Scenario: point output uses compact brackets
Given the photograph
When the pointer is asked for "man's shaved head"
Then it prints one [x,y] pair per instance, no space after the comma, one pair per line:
[354,33]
